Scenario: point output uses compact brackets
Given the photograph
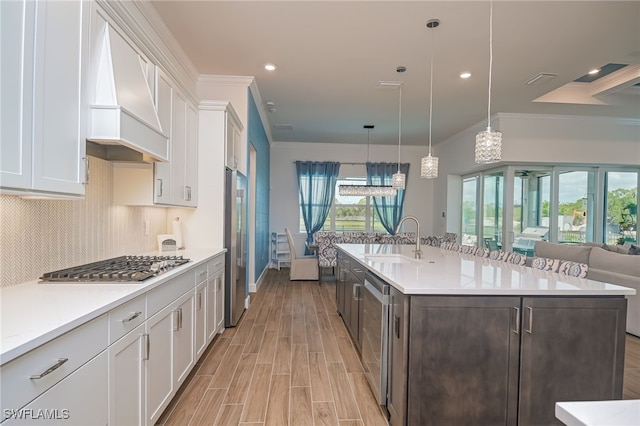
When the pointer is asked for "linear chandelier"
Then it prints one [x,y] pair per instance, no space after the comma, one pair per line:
[489,142]
[367,190]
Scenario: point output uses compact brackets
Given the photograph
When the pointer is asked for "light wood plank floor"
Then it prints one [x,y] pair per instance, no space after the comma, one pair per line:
[290,361]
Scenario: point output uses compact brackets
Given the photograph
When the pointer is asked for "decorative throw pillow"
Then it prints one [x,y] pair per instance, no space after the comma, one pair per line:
[495,254]
[517,259]
[634,250]
[545,264]
[573,269]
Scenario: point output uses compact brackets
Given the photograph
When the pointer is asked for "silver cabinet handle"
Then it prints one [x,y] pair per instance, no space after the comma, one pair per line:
[187,193]
[356,291]
[202,276]
[159,187]
[396,325]
[176,320]
[517,329]
[219,286]
[146,346]
[530,330]
[131,317]
[199,301]
[51,369]
[86,170]
[179,318]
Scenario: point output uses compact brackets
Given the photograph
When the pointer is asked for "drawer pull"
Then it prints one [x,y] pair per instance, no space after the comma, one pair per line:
[50,369]
[147,348]
[202,276]
[131,317]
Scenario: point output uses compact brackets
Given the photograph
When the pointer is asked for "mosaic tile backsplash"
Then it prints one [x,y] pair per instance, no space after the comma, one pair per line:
[38,236]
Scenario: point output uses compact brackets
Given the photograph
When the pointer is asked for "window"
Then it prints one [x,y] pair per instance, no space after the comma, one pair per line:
[492,207]
[576,196]
[556,204]
[351,213]
[469,210]
[621,207]
[531,203]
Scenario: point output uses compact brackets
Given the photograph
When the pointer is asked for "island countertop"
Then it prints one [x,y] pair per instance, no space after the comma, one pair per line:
[442,272]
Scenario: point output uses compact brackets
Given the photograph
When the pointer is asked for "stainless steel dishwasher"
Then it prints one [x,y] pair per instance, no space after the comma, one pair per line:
[375,335]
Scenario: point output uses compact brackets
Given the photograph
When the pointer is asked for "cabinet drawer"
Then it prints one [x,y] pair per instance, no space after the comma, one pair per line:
[201,273]
[161,296]
[61,405]
[358,271]
[215,264]
[126,317]
[76,347]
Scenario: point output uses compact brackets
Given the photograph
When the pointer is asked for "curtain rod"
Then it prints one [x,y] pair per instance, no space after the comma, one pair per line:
[351,164]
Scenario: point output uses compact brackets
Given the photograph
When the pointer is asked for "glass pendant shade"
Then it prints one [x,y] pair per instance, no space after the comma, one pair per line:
[398,180]
[367,190]
[429,167]
[488,146]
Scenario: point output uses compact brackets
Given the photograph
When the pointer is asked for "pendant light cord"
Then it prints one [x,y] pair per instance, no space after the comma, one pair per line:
[490,62]
[431,92]
[399,125]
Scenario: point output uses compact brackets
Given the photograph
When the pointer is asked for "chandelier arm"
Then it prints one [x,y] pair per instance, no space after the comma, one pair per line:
[490,62]
[431,92]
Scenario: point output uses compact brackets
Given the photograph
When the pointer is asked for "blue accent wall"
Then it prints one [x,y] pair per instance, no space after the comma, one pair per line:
[258,138]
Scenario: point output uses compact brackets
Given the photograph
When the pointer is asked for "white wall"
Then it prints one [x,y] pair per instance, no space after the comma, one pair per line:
[284,193]
[534,139]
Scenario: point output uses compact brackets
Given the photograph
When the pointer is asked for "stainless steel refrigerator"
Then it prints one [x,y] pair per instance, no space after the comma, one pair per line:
[235,241]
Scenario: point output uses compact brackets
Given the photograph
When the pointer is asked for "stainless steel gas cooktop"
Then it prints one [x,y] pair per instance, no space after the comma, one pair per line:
[121,269]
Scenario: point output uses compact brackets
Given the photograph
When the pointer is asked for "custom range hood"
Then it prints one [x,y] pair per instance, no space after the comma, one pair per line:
[123,120]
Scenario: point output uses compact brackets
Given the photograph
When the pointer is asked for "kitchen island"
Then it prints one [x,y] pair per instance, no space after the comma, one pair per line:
[476,341]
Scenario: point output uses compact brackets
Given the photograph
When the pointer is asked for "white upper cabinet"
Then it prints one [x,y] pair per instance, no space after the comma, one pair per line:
[44,68]
[176,180]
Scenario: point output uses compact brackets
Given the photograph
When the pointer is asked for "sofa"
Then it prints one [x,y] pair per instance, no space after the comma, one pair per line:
[609,264]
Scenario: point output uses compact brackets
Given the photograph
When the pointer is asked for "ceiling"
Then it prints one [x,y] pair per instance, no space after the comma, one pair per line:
[331,56]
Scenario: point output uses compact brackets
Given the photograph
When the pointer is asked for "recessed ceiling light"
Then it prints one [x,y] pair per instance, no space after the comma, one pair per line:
[594,71]
[465,74]
[270,67]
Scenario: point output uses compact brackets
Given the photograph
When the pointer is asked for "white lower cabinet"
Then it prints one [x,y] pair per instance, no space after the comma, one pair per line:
[202,304]
[127,378]
[215,297]
[183,339]
[159,368]
[79,399]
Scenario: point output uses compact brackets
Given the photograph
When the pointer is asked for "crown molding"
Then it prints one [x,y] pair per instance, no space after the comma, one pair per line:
[225,80]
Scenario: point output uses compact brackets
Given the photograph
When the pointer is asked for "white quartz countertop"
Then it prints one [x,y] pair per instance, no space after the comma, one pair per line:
[444,272]
[33,313]
[599,413]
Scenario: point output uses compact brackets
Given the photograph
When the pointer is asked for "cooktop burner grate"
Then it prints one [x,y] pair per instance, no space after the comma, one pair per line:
[117,269]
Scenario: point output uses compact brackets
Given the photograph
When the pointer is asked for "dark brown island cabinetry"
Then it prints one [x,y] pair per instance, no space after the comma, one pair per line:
[495,360]
[349,286]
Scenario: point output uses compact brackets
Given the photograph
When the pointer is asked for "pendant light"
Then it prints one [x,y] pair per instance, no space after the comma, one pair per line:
[367,190]
[398,179]
[489,142]
[429,164]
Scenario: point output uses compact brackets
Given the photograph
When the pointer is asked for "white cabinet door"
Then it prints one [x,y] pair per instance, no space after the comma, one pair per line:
[80,399]
[17,20]
[191,157]
[200,318]
[219,301]
[183,338]
[44,142]
[230,154]
[127,379]
[178,145]
[158,368]
[164,105]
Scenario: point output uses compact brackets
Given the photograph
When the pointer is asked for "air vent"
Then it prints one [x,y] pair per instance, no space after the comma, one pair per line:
[282,127]
[543,77]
